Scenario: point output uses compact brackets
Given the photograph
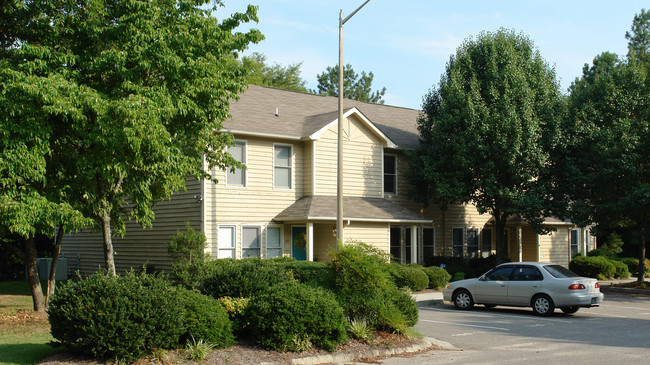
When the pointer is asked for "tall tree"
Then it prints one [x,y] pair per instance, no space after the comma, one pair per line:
[147,84]
[356,87]
[486,129]
[604,169]
[278,76]
[639,38]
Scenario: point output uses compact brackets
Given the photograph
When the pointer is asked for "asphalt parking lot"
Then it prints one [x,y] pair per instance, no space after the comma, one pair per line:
[616,332]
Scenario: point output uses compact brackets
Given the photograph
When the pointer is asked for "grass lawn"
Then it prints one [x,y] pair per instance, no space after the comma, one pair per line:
[24,334]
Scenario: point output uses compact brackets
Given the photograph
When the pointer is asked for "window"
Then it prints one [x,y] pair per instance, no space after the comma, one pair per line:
[587,243]
[282,167]
[250,242]
[273,242]
[486,242]
[390,174]
[502,273]
[238,177]
[472,243]
[396,243]
[457,242]
[407,244]
[226,242]
[427,243]
[574,242]
[527,273]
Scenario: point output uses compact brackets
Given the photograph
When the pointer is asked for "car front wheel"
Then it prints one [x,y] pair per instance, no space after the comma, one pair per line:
[543,305]
[463,300]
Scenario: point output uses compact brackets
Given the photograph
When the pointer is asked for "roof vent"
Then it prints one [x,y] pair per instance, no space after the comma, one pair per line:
[277,112]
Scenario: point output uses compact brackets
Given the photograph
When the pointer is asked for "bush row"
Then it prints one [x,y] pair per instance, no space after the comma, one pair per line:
[599,267]
[462,268]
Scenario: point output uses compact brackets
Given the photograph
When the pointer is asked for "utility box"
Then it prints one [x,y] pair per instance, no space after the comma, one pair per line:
[43,265]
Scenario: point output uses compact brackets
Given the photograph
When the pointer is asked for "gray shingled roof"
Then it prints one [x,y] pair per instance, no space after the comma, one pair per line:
[355,209]
[301,115]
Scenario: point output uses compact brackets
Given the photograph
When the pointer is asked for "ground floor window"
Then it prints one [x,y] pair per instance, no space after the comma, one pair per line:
[457,242]
[250,241]
[396,243]
[427,243]
[226,242]
[486,242]
[574,242]
[273,242]
[472,243]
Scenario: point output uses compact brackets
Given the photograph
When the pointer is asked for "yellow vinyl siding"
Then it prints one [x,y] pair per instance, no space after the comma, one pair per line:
[374,234]
[362,161]
[554,247]
[139,245]
[456,216]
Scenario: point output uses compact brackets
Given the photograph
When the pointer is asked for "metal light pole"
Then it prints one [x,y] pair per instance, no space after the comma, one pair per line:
[339,169]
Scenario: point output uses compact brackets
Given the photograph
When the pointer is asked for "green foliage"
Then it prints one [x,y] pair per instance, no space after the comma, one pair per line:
[104,101]
[411,277]
[471,268]
[438,277]
[486,130]
[117,317]
[622,271]
[187,250]
[236,309]
[205,319]
[277,76]
[407,310]
[316,274]
[613,243]
[360,330]
[365,289]
[290,316]
[601,252]
[198,350]
[639,38]
[593,267]
[243,278]
[356,87]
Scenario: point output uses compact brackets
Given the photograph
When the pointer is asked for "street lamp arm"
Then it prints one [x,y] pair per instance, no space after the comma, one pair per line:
[354,12]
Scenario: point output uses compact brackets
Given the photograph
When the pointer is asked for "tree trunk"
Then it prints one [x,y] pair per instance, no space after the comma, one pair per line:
[32,274]
[500,228]
[55,260]
[108,243]
[641,277]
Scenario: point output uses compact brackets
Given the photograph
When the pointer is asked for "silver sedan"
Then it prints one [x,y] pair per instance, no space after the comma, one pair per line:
[542,286]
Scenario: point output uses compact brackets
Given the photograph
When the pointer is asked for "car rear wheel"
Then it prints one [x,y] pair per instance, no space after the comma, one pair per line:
[463,300]
[543,305]
[570,310]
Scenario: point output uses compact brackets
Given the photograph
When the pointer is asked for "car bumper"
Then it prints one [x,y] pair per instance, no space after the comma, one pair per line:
[579,300]
[446,295]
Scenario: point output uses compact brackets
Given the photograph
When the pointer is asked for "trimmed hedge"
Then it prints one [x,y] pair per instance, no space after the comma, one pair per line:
[438,277]
[294,317]
[117,317]
[205,319]
[593,267]
[409,276]
[243,278]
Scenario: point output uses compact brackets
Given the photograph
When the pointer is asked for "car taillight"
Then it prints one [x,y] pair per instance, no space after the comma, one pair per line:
[597,285]
[576,286]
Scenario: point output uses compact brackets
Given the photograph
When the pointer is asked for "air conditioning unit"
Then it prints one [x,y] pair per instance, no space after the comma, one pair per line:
[43,265]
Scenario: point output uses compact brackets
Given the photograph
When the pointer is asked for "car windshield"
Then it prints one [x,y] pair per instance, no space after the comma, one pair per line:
[560,272]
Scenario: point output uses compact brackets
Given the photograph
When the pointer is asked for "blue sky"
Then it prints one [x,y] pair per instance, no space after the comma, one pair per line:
[407,44]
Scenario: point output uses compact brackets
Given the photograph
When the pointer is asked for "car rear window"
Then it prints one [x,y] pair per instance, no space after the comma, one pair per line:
[560,271]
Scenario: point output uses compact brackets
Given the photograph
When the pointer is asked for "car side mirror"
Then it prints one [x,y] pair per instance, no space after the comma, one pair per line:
[482,278]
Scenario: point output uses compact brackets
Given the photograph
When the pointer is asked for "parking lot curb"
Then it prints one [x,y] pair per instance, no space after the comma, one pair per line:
[615,289]
[424,344]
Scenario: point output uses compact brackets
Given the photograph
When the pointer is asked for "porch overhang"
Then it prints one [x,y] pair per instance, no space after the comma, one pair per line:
[318,208]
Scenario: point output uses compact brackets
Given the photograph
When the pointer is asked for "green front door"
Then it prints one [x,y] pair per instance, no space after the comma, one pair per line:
[299,243]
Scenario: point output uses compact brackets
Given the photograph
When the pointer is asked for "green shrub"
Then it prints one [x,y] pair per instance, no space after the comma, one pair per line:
[406,306]
[438,277]
[600,252]
[459,276]
[190,262]
[119,317]
[451,264]
[622,271]
[243,278]
[291,316]
[316,274]
[478,266]
[205,319]
[364,287]
[410,276]
[236,309]
[593,266]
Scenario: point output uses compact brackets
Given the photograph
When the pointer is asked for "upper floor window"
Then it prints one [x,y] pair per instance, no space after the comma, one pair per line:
[238,177]
[282,167]
[390,174]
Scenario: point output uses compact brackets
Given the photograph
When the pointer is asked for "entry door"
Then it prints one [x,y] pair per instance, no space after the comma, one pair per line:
[299,243]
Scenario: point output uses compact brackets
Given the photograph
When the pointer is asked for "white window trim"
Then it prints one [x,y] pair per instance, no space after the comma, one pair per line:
[241,234]
[244,171]
[234,239]
[291,167]
[266,239]
[383,175]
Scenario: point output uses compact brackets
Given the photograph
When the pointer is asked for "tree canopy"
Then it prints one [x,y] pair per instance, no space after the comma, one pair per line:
[604,168]
[277,76]
[486,130]
[125,96]
[356,87]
